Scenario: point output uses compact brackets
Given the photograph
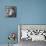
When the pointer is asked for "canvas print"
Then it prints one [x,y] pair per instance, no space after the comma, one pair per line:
[10,11]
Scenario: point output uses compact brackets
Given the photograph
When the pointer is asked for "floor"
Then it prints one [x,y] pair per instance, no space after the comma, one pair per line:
[7,45]
[30,43]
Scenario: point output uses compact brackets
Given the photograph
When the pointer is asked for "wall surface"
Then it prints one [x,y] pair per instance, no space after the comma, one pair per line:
[28,12]
[33,11]
[7,25]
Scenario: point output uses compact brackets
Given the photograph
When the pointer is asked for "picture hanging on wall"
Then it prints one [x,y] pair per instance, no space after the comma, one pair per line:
[10,11]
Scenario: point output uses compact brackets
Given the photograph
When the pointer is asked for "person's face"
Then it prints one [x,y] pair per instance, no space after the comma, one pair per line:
[10,12]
